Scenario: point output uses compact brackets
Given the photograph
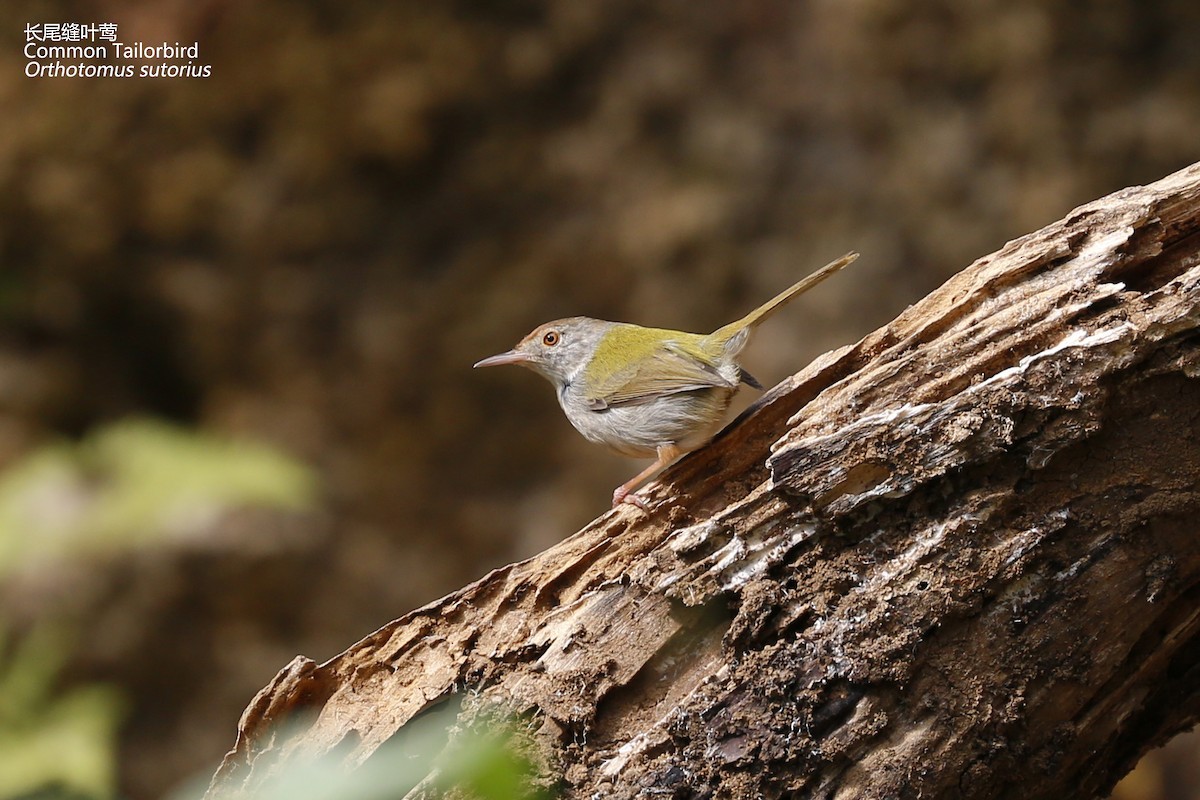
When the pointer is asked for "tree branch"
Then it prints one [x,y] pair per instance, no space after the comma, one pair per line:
[958,558]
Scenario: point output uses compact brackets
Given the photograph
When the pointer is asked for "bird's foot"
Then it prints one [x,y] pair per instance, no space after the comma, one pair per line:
[623,495]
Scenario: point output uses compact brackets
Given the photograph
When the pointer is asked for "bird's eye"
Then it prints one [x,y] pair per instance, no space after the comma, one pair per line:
[551,338]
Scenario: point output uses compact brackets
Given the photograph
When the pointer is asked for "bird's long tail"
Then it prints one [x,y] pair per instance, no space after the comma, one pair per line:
[739,329]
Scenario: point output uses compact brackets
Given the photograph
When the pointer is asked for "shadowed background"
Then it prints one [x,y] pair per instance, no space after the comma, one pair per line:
[299,258]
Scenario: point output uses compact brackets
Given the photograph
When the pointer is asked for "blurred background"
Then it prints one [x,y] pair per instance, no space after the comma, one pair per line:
[237,314]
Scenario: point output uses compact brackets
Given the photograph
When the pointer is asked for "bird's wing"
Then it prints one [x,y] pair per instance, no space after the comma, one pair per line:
[671,368]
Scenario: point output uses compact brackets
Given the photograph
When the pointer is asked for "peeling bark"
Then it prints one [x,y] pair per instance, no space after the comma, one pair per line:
[959,558]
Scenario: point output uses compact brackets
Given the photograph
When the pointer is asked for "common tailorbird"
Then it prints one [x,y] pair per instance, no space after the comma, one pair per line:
[646,392]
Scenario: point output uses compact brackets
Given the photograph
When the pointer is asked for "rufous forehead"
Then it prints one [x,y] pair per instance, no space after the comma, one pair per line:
[537,333]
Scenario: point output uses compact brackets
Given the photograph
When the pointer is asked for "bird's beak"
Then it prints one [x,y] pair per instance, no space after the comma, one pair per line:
[511,357]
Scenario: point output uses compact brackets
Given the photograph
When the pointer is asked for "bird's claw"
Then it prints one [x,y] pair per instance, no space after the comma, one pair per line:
[623,495]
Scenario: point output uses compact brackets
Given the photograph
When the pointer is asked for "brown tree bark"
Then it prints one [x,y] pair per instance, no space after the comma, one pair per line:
[960,558]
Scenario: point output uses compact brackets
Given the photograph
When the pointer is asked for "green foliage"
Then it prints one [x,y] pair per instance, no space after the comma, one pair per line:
[487,761]
[127,484]
[55,744]
[491,765]
[135,481]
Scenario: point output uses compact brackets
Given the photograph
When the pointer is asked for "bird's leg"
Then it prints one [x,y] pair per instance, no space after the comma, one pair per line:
[624,493]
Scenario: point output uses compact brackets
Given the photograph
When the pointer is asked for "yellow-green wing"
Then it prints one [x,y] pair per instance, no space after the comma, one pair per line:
[646,364]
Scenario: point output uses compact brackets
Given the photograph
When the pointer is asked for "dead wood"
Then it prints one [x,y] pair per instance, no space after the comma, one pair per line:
[960,558]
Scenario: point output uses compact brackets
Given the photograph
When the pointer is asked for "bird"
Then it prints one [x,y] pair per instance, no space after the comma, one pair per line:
[646,392]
